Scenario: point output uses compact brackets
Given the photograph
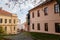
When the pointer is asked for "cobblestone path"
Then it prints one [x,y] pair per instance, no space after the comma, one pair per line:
[21,36]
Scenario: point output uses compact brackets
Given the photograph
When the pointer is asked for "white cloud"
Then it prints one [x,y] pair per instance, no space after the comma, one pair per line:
[20,9]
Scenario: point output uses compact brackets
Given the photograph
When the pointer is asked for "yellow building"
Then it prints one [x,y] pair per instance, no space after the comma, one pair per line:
[8,21]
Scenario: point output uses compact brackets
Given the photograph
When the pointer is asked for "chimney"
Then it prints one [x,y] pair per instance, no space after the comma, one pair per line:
[48,0]
[0,8]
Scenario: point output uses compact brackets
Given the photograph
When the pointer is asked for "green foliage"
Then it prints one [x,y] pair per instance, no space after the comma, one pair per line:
[1,32]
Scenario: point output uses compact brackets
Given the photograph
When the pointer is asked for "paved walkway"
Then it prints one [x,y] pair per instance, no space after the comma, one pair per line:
[21,36]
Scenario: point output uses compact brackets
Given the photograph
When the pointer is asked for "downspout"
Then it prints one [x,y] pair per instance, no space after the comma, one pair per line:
[11,23]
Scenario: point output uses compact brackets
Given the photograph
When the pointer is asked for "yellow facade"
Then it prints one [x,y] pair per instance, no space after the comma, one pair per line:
[8,22]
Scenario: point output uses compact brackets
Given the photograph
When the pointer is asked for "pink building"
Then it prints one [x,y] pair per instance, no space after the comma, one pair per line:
[25,26]
[45,18]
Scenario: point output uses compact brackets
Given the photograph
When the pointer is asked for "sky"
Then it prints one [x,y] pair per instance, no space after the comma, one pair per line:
[19,7]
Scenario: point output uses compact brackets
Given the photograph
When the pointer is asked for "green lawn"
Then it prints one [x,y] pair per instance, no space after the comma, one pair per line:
[44,36]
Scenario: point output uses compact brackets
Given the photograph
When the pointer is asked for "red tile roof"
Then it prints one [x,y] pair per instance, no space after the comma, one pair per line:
[3,12]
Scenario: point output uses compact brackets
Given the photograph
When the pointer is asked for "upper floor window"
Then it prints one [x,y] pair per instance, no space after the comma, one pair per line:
[56,8]
[32,26]
[1,20]
[9,20]
[46,11]
[38,13]
[5,20]
[46,26]
[33,15]
[38,26]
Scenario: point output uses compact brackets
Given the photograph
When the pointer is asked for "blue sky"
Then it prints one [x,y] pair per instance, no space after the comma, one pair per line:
[20,9]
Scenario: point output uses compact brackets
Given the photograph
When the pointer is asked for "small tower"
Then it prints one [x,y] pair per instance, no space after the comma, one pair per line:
[0,8]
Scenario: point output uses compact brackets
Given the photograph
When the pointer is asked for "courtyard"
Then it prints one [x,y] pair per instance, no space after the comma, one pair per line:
[33,36]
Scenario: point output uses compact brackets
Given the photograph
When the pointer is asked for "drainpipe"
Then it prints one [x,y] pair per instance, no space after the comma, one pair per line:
[11,23]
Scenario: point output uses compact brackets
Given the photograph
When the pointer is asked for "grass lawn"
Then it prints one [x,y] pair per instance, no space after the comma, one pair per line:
[44,36]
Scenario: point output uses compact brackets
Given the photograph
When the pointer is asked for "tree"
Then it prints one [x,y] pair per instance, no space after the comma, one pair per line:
[1,32]
[58,1]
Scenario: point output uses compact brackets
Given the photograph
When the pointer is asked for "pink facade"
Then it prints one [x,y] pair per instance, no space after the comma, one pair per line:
[45,23]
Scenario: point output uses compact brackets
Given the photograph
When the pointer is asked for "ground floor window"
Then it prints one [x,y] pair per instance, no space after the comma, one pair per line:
[14,27]
[38,26]
[5,28]
[46,26]
[57,27]
[32,26]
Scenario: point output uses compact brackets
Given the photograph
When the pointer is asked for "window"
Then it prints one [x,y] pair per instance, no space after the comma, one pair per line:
[46,11]
[38,26]
[38,14]
[57,27]
[14,20]
[14,27]
[33,15]
[32,26]
[0,20]
[46,26]
[5,28]
[9,20]
[5,20]
[56,8]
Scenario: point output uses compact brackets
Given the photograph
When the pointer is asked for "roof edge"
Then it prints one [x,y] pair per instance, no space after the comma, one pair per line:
[45,2]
